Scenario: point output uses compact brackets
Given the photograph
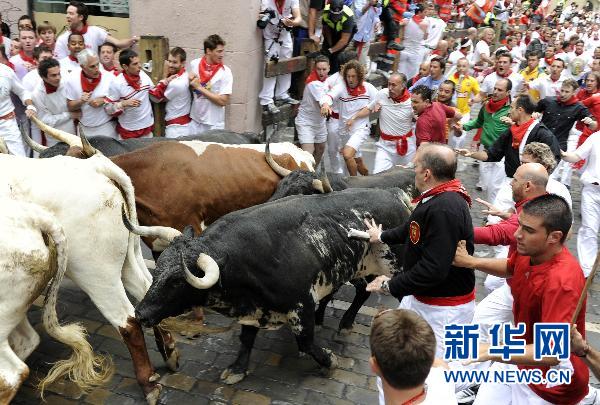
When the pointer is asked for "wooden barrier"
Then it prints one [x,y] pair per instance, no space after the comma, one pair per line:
[154,50]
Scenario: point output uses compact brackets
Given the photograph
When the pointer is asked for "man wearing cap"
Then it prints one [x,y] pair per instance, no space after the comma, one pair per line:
[338,27]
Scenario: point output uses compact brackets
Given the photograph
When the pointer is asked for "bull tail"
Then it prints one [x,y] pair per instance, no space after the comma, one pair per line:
[83,367]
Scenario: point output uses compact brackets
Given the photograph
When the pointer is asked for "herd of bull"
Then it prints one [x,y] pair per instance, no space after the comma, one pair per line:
[247,229]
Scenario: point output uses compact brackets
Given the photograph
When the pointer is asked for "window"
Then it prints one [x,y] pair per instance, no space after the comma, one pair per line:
[106,8]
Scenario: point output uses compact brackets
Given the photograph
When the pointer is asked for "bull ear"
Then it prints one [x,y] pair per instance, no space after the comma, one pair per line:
[188,231]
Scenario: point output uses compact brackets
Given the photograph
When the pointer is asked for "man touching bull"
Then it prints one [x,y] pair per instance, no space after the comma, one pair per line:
[430,285]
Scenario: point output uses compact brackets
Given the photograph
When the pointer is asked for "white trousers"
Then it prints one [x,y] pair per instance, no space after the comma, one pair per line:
[334,146]
[409,62]
[439,316]
[564,170]
[587,236]
[456,142]
[491,175]
[176,130]
[197,128]
[277,86]
[507,394]
[495,308]
[387,156]
[9,130]
[106,129]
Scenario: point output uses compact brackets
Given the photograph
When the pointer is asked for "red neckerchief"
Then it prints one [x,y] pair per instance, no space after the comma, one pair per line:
[405,96]
[415,399]
[452,185]
[280,6]
[509,47]
[73,58]
[504,75]
[518,132]
[27,58]
[527,40]
[570,101]
[493,106]
[10,65]
[133,81]
[110,69]
[181,71]
[525,20]
[88,84]
[436,52]
[418,18]
[50,88]
[81,31]
[207,71]
[550,61]
[357,91]
[313,77]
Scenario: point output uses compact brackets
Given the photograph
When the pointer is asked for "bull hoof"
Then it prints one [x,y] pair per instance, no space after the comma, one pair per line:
[229,378]
[173,360]
[152,396]
[333,359]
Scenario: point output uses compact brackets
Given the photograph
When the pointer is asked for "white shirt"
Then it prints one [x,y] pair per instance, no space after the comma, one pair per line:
[490,81]
[455,56]
[413,36]
[590,151]
[205,111]
[132,119]
[19,64]
[93,38]
[179,97]
[350,105]
[439,391]
[394,118]
[309,112]
[434,31]
[556,187]
[10,83]
[482,48]
[69,67]
[546,86]
[272,31]
[331,82]
[31,80]
[90,116]
[52,108]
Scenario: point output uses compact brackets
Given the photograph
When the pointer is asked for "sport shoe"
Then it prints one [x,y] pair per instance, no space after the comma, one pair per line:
[272,108]
[467,396]
[395,46]
[288,100]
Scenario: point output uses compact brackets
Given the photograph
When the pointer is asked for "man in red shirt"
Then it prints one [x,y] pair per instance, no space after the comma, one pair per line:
[431,121]
[546,283]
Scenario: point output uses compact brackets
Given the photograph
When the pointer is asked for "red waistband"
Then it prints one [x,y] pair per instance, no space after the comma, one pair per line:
[387,137]
[447,301]
[184,119]
[335,115]
[126,134]
[8,116]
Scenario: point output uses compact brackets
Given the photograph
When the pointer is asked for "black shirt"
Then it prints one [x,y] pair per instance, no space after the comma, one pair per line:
[559,118]
[318,4]
[502,148]
[430,237]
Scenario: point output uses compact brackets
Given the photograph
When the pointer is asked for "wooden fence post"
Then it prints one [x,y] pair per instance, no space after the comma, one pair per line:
[154,50]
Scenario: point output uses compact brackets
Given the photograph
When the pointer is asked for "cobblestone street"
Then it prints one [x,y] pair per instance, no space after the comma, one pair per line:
[278,375]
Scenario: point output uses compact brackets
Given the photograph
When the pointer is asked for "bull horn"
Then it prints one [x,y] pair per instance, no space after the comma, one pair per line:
[210,268]
[62,136]
[160,232]
[277,168]
[31,143]
[3,147]
[88,149]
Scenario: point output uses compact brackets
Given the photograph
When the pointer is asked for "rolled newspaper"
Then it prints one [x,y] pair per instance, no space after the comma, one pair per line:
[360,235]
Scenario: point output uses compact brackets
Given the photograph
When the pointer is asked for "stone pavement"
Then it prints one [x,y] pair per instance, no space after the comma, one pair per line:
[278,375]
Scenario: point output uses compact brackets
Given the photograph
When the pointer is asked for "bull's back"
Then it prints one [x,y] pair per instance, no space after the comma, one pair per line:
[177,184]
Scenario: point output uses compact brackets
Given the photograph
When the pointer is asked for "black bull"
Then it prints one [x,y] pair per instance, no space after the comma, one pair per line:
[275,262]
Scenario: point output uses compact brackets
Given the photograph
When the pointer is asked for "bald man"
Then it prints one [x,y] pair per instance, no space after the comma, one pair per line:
[430,285]
[530,181]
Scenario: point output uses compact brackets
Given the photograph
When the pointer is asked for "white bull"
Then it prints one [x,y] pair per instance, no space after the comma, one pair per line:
[104,259]
[26,267]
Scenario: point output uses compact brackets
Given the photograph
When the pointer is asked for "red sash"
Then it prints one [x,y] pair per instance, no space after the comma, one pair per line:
[452,185]
[126,134]
[88,84]
[207,71]
[183,120]
[447,301]
[401,141]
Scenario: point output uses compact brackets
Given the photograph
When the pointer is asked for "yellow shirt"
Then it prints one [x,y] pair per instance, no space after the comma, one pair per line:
[468,88]
[530,76]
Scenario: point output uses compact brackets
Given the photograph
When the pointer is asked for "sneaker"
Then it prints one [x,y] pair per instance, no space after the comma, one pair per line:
[272,108]
[288,100]
[467,396]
